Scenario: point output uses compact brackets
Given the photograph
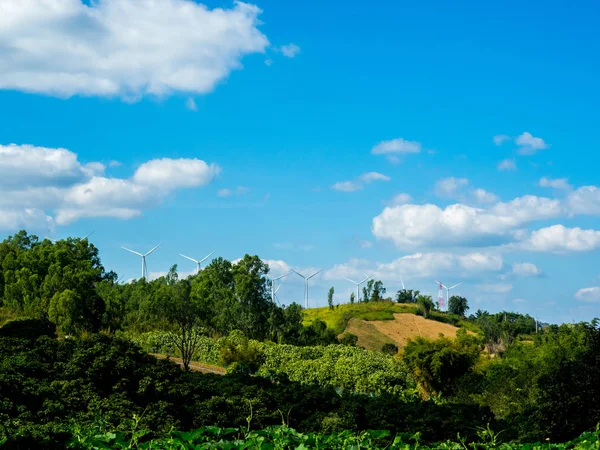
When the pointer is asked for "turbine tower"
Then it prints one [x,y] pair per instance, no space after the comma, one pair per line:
[144,267]
[273,280]
[357,286]
[441,291]
[306,284]
[198,263]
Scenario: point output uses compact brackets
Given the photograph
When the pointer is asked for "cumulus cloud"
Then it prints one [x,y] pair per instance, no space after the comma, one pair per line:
[450,187]
[482,196]
[560,239]
[396,146]
[290,50]
[400,199]
[419,265]
[556,183]
[500,139]
[357,184]
[120,48]
[56,188]
[409,226]
[507,165]
[528,144]
[585,200]
[526,270]
[590,294]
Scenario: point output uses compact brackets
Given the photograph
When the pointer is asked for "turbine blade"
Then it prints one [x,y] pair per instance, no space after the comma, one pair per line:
[207,256]
[455,285]
[153,249]
[351,281]
[298,273]
[88,235]
[402,281]
[438,282]
[445,287]
[191,259]
[366,279]
[315,274]
[281,276]
[139,254]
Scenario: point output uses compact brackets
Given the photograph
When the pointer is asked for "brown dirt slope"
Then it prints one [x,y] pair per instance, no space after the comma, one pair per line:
[374,334]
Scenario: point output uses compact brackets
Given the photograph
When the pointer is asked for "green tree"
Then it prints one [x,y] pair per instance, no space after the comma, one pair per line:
[377,291]
[368,291]
[66,311]
[330,297]
[425,305]
[458,305]
[390,349]
[407,296]
[349,339]
[352,298]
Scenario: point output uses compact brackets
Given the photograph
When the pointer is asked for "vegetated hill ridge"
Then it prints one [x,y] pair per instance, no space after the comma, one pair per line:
[379,323]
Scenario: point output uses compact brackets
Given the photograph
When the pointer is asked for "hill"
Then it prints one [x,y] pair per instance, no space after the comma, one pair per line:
[379,323]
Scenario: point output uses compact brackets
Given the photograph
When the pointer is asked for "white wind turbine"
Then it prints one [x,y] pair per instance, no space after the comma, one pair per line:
[448,289]
[144,267]
[273,280]
[357,286]
[85,237]
[306,284]
[198,263]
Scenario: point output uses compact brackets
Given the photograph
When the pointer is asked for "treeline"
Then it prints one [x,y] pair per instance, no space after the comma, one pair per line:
[66,283]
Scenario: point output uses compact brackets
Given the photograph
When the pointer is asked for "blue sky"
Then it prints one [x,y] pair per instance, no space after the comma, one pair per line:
[349,138]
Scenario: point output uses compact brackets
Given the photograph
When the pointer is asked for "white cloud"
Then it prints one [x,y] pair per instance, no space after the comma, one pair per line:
[529,145]
[44,186]
[400,199]
[396,146]
[495,288]
[27,165]
[500,139]
[484,197]
[268,62]
[346,186]
[120,48]
[450,187]
[526,270]
[591,294]
[175,173]
[519,300]
[114,163]
[557,183]
[357,185]
[290,50]
[240,190]
[507,165]
[416,225]
[191,104]
[585,200]
[419,265]
[366,244]
[373,176]
[559,239]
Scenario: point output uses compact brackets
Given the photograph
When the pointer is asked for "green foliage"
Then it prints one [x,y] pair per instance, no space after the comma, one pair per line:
[458,305]
[352,298]
[439,364]
[239,354]
[28,329]
[407,296]
[349,339]
[349,368]
[390,349]
[373,291]
[330,297]
[66,310]
[425,305]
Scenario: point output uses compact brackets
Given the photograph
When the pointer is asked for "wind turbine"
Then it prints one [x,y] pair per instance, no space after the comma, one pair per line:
[357,286]
[144,267]
[85,237]
[273,280]
[198,263]
[306,284]
[402,281]
[448,289]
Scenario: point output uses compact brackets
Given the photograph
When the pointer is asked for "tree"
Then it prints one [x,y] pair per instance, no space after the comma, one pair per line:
[352,297]
[66,311]
[407,296]
[349,339]
[368,290]
[458,305]
[378,290]
[184,314]
[425,305]
[390,349]
[330,297]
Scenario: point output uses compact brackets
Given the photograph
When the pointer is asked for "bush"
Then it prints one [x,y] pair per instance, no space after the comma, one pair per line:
[349,339]
[28,329]
[390,349]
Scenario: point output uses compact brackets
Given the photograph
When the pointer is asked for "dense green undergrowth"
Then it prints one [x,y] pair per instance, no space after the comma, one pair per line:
[282,437]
